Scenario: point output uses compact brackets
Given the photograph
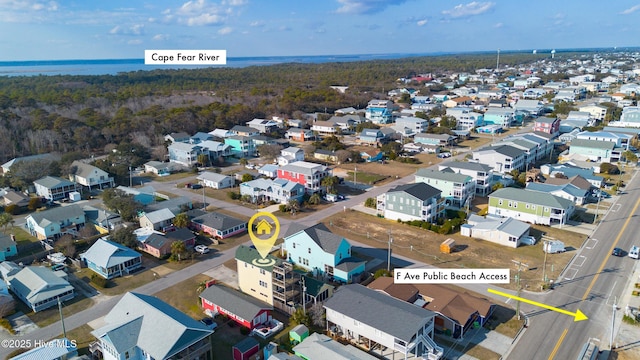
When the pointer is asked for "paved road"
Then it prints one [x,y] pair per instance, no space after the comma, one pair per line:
[591,283]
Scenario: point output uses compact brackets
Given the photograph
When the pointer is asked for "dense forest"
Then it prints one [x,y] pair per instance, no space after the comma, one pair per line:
[90,113]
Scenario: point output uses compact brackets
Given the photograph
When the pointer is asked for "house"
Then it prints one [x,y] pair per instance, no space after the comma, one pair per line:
[503,117]
[290,155]
[36,159]
[177,137]
[110,260]
[185,154]
[221,133]
[456,189]
[372,155]
[159,168]
[38,287]
[145,195]
[257,280]
[320,346]
[530,148]
[299,135]
[159,244]
[380,111]
[278,190]
[359,315]
[530,206]
[215,180]
[480,173]
[263,125]
[548,125]
[566,191]
[532,107]
[158,219]
[268,170]
[620,139]
[55,222]
[325,128]
[325,155]
[218,225]
[176,205]
[56,349]
[324,253]
[411,202]
[597,112]
[240,308]
[371,137]
[596,150]
[90,176]
[504,231]
[18,199]
[435,139]
[571,171]
[307,174]
[214,150]
[55,188]
[8,246]
[103,220]
[578,181]
[502,159]
[466,118]
[412,125]
[246,131]
[241,146]
[200,137]
[456,312]
[347,122]
[131,331]
[245,349]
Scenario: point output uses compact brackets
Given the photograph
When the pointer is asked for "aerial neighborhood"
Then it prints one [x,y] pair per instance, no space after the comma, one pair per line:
[149,247]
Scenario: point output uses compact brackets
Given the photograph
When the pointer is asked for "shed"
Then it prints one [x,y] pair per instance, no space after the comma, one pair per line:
[298,334]
[75,196]
[245,348]
[448,246]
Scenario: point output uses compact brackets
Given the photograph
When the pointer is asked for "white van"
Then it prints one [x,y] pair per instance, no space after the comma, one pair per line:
[633,253]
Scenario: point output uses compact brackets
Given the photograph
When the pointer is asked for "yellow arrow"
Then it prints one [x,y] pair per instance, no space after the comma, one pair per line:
[577,316]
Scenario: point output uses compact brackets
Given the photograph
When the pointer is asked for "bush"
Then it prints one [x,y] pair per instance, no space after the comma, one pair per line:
[234,195]
[99,280]
[12,209]
[7,325]
[381,272]
[283,208]
[370,203]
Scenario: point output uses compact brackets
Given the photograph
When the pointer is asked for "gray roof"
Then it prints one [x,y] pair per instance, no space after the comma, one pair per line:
[606,145]
[320,234]
[218,221]
[320,346]
[546,120]
[107,253]
[508,151]
[441,175]
[244,129]
[234,301]
[57,215]
[514,227]
[383,312]
[349,264]
[211,176]
[548,188]
[507,225]
[420,190]
[52,182]
[136,320]
[6,241]
[85,170]
[173,204]
[37,283]
[47,156]
[532,197]
[466,165]
[159,216]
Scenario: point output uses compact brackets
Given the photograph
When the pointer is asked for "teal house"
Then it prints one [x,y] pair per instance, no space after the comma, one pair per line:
[241,146]
[7,247]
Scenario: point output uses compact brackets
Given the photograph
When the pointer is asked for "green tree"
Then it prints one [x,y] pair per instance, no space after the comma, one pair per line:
[5,220]
[366,125]
[497,186]
[243,161]
[121,202]
[630,156]
[34,203]
[269,151]
[178,251]
[246,177]
[381,273]
[330,182]
[126,237]
[370,203]
[203,160]
[314,199]
[294,206]
[300,317]
[181,220]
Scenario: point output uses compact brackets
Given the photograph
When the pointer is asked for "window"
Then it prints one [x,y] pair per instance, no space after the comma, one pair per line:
[309,250]
[510,204]
[526,206]
[294,245]
[546,209]
[500,202]
[515,204]
[262,271]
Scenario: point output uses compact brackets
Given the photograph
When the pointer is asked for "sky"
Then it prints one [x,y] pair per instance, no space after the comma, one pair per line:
[116,29]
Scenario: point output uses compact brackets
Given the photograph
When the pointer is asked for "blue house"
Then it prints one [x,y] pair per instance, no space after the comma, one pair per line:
[318,249]
[372,155]
[7,247]
[109,259]
[371,136]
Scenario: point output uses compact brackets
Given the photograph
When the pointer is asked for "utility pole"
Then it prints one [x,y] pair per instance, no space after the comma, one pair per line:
[389,253]
[520,265]
[355,175]
[64,331]
[130,177]
[595,218]
[304,295]
[204,201]
[544,267]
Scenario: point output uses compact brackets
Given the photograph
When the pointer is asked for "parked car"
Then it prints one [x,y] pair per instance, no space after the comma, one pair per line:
[209,323]
[202,249]
[444,155]
[528,240]
[196,186]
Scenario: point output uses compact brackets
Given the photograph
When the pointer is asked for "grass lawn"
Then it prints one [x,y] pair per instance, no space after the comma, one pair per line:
[473,143]
[22,236]
[364,177]
[172,177]
[424,246]
[82,336]
[51,315]
[184,296]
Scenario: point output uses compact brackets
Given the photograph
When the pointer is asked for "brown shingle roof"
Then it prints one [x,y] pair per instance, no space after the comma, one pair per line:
[577,180]
[406,292]
[453,304]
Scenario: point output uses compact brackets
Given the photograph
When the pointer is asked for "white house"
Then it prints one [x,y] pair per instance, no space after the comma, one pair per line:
[502,231]
[90,176]
[289,155]
[215,180]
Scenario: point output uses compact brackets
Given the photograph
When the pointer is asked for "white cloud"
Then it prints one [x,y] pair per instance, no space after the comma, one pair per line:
[365,6]
[470,9]
[498,25]
[259,23]
[136,29]
[225,30]
[422,22]
[630,10]
[160,37]
[235,2]
[284,28]
[28,5]
[134,42]
[202,12]
[204,19]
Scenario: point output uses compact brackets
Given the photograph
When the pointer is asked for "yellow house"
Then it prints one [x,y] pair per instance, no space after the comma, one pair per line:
[254,280]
